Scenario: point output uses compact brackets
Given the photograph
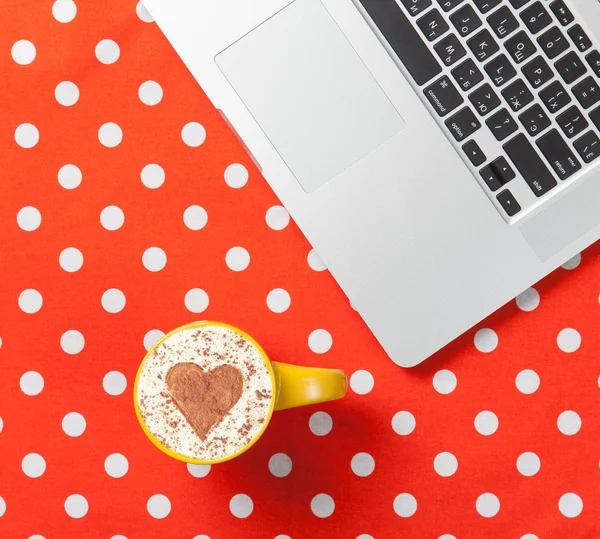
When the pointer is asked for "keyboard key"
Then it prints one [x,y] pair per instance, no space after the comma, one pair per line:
[447,5]
[490,178]
[555,97]
[520,47]
[508,203]
[536,18]
[433,25]
[503,22]
[595,117]
[559,155]
[465,20]
[553,43]
[463,124]
[502,125]
[518,3]
[580,38]
[467,74]
[502,169]
[530,165]
[484,99]
[415,7]
[517,95]
[570,67]
[450,49]
[588,146]
[537,72]
[483,45]
[572,122]
[474,153]
[562,12]
[593,60]
[485,5]
[443,96]
[500,70]
[535,120]
[587,92]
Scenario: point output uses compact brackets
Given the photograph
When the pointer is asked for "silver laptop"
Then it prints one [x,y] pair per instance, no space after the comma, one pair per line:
[440,155]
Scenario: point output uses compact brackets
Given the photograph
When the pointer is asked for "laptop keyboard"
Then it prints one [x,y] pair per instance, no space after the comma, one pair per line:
[514,83]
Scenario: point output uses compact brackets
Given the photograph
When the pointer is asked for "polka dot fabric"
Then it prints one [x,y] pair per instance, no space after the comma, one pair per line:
[129,208]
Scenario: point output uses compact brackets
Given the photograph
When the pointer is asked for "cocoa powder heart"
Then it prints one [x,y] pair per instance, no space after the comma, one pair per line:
[204,398]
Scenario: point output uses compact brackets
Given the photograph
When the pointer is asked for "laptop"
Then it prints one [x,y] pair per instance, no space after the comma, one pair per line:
[440,155]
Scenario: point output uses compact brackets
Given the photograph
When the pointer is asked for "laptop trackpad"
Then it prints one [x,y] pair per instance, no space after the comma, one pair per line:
[310,92]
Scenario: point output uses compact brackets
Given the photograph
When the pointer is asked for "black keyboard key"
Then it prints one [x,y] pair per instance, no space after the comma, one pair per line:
[467,74]
[580,38]
[562,12]
[443,96]
[463,124]
[414,7]
[483,45]
[490,178]
[450,49]
[448,5]
[465,20]
[537,72]
[501,124]
[485,5]
[559,155]
[508,203]
[518,3]
[517,95]
[588,146]
[503,22]
[530,165]
[520,47]
[587,92]
[474,153]
[500,70]
[503,170]
[536,18]
[553,43]
[433,25]
[572,122]
[555,97]
[593,60]
[484,99]
[595,117]
[570,67]
[404,39]
[535,120]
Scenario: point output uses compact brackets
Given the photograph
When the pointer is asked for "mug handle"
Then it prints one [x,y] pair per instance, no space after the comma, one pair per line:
[299,386]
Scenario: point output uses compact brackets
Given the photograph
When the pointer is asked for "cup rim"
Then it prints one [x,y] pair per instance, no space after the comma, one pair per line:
[162,446]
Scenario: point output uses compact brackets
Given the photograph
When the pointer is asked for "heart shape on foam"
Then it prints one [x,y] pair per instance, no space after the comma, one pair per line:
[204,398]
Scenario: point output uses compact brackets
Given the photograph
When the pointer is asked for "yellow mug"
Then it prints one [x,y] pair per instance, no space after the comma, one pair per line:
[292,386]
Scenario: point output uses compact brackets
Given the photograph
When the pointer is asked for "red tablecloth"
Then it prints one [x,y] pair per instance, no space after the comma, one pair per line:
[496,437]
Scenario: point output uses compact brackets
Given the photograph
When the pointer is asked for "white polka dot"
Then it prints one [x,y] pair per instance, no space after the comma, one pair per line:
[527,381]
[315,262]
[36,536]
[569,340]
[0,342]
[116,465]
[241,506]
[528,300]
[403,423]
[488,505]
[405,505]
[113,300]
[33,465]
[573,262]
[193,134]
[152,337]
[198,470]
[142,13]
[112,218]
[66,93]
[72,342]
[486,340]
[69,176]
[114,383]
[110,135]
[195,217]
[73,424]
[237,259]
[362,382]
[362,464]
[444,381]
[528,464]
[29,218]
[320,423]
[364,536]
[486,423]
[283,537]
[150,93]
[277,217]
[320,341]
[1,424]
[530,536]
[159,506]
[154,259]
[118,537]
[447,536]
[64,10]
[70,259]
[30,301]
[27,135]
[202,537]
[570,505]
[76,506]
[31,383]
[569,422]
[196,300]
[445,464]
[236,175]
[107,51]
[23,52]
[322,505]
[153,176]
[2,506]
[280,465]
[278,300]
